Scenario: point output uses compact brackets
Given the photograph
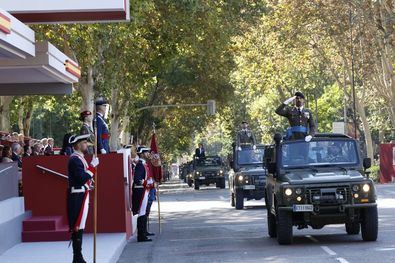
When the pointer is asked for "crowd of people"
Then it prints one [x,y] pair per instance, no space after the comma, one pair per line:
[14,146]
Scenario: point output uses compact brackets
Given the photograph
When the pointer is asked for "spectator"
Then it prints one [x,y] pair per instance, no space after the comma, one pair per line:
[16,153]
[27,151]
[36,149]
[44,143]
[6,155]
[21,139]
[15,137]
[48,150]
[67,149]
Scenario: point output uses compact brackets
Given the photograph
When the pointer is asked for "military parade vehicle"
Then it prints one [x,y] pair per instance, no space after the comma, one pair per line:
[209,170]
[317,183]
[247,178]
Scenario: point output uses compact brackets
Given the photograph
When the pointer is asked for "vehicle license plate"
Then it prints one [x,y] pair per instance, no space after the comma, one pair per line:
[249,187]
[202,178]
[303,208]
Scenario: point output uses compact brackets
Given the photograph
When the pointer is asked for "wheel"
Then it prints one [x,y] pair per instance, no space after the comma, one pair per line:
[197,185]
[232,199]
[239,200]
[284,227]
[271,224]
[370,224]
[353,228]
[221,184]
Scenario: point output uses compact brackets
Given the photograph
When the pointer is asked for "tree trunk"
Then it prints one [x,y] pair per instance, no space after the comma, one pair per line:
[20,116]
[368,135]
[87,91]
[28,121]
[5,102]
[115,119]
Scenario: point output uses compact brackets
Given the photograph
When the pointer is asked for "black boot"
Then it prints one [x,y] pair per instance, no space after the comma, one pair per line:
[141,228]
[77,247]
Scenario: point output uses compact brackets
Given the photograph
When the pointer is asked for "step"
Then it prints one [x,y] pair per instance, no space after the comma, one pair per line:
[42,223]
[61,234]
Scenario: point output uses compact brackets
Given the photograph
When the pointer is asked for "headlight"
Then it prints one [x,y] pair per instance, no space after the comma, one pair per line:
[355,188]
[221,172]
[298,191]
[366,188]
[240,178]
[197,172]
[288,192]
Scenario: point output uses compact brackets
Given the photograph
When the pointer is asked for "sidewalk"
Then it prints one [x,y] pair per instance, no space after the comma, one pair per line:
[109,248]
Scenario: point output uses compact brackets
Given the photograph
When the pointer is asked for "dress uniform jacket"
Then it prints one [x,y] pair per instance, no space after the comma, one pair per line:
[87,129]
[103,134]
[245,137]
[301,121]
[80,175]
[142,183]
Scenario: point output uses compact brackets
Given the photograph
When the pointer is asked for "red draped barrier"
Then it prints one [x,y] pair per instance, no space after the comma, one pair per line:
[387,162]
[45,191]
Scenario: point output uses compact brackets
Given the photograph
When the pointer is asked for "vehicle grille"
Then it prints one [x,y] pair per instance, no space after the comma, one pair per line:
[210,174]
[329,195]
[258,179]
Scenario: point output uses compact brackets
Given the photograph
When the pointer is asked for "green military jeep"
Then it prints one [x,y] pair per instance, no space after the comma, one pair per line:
[209,170]
[318,183]
[247,178]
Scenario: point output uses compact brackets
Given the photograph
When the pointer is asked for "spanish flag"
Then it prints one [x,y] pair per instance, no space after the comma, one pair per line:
[5,24]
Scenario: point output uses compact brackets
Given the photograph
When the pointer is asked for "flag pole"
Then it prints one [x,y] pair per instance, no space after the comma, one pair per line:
[95,194]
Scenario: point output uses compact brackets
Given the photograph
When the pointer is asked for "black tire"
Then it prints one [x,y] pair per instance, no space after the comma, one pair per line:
[197,185]
[239,200]
[271,224]
[370,224]
[232,200]
[353,228]
[284,227]
[221,183]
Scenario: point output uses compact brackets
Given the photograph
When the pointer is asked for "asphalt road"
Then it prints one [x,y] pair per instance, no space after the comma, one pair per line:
[201,226]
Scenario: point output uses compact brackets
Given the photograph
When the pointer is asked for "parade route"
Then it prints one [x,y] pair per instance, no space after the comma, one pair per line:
[201,226]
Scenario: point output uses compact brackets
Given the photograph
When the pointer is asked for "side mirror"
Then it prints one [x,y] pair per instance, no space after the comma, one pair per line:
[367,163]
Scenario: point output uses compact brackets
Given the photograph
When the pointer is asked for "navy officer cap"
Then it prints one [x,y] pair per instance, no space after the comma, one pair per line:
[101,101]
[299,94]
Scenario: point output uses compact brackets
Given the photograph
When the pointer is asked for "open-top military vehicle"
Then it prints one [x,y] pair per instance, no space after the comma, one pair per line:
[209,170]
[316,183]
[247,178]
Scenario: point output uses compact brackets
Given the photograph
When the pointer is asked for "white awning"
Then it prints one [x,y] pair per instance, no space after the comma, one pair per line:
[16,39]
[49,72]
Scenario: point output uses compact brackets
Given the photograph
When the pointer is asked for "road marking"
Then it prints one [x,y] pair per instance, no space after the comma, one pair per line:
[312,239]
[329,251]
[218,225]
[342,260]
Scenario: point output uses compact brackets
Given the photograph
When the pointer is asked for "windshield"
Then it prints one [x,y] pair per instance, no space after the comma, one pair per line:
[209,161]
[249,156]
[315,153]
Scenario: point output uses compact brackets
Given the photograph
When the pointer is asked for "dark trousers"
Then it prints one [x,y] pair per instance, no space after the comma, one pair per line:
[76,238]
[141,227]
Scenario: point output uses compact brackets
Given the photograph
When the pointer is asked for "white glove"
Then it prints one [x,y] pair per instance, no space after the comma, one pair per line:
[95,161]
[288,101]
[254,147]
[137,158]
[239,148]
[308,138]
[103,151]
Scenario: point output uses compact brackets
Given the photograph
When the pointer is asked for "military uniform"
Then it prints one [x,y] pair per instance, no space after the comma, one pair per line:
[80,176]
[142,183]
[87,129]
[300,119]
[103,135]
[245,136]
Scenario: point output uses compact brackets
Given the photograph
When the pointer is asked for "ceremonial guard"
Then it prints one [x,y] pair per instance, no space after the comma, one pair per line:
[245,136]
[300,119]
[80,176]
[142,183]
[86,128]
[103,134]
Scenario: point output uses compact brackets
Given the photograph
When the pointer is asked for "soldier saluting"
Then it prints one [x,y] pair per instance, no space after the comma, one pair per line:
[300,119]
[245,136]
[80,176]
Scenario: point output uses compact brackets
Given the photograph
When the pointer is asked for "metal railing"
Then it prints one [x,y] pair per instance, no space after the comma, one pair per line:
[51,171]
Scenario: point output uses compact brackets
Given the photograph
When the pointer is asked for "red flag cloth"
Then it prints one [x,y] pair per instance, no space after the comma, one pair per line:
[155,162]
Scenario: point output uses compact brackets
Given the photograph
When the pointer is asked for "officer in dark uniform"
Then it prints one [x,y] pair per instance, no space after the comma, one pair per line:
[142,183]
[245,136]
[200,152]
[80,176]
[103,134]
[86,128]
[300,119]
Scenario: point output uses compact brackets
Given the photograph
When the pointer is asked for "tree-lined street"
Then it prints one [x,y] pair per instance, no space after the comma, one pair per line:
[201,226]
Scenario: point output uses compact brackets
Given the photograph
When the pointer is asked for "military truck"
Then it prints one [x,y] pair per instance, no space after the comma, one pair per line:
[317,183]
[209,170]
[247,178]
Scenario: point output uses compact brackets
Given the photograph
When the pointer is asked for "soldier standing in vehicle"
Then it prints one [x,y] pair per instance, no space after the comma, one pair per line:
[245,136]
[300,119]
